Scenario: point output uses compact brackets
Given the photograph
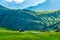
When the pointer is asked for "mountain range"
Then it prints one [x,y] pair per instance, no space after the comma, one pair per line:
[28,19]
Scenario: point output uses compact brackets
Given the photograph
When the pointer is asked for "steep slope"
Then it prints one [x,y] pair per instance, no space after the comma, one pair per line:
[15,19]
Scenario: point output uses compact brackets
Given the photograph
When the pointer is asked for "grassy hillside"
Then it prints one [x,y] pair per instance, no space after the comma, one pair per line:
[28,35]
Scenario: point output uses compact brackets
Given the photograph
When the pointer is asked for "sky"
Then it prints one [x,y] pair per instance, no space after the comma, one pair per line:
[32,4]
[20,4]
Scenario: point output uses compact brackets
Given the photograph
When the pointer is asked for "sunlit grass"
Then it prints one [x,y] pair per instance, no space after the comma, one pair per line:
[29,35]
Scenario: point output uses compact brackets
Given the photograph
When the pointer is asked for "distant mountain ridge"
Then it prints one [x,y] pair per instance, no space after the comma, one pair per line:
[47,5]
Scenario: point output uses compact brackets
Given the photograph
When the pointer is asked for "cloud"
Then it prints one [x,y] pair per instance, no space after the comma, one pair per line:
[17,1]
[31,3]
[21,4]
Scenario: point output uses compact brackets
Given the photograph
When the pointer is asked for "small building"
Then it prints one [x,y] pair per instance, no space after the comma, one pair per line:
[21,30]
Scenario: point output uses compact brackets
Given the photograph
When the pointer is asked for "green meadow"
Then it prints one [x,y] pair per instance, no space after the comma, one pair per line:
[28,35]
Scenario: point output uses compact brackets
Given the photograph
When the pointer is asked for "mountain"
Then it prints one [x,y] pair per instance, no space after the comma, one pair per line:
[29,20]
